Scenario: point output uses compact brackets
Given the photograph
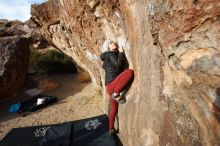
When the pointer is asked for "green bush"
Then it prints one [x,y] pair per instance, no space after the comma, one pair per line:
[33,56]
[51,61]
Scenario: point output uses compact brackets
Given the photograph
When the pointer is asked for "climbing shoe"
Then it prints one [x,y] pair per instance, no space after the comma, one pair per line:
[122,93]
[113,131]
[119,97]
[122,101]
[115,96]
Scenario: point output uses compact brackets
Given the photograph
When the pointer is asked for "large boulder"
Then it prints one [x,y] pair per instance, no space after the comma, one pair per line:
[28,28]
[173,47]
[14,57]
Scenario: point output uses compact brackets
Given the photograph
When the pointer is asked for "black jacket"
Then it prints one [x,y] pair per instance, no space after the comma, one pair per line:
[113,64]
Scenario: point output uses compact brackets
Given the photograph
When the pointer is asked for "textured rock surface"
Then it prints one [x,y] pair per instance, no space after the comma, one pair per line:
[28,28]
[38,40]
[173,48]
[15,39]
[14,55]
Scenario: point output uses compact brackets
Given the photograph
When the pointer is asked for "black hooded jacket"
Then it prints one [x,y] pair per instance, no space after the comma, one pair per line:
[113,64]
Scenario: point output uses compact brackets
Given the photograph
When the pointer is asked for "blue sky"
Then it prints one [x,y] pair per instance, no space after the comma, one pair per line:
[16,9]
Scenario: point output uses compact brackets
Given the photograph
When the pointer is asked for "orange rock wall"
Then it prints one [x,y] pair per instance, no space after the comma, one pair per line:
[172,46]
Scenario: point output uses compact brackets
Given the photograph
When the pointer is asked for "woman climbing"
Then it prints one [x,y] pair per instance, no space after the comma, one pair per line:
[116,78]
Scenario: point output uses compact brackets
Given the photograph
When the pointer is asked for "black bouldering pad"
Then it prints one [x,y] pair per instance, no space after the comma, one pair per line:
[87,132]
[30,105]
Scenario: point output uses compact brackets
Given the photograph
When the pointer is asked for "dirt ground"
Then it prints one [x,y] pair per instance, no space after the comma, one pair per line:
[77,99]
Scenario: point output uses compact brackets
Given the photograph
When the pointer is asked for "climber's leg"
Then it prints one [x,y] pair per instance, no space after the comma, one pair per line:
[116,86]
[122,80]
[113,106]
[113,112]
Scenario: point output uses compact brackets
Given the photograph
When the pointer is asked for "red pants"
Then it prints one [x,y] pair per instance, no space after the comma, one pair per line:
[117,85]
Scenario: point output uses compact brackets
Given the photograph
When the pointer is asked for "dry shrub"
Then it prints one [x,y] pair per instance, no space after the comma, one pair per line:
[47,84]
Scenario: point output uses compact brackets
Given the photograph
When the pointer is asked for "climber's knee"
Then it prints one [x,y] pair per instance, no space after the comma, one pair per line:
[131,72]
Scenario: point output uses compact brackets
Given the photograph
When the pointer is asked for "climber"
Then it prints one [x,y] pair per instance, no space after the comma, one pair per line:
[116,78]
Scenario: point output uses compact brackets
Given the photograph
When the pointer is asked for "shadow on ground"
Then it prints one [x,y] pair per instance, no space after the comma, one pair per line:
[68,85]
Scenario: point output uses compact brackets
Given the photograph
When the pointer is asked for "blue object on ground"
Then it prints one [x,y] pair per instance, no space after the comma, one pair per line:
[14,107]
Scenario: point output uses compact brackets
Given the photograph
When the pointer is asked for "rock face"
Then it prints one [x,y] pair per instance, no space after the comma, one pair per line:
[173,48]
[14,56]
[38,40]
[15,39]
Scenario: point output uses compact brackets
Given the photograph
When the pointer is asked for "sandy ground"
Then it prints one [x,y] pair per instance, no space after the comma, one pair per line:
[76,100]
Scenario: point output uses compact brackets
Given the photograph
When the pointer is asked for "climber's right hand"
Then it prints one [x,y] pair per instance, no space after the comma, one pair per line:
[121,49]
